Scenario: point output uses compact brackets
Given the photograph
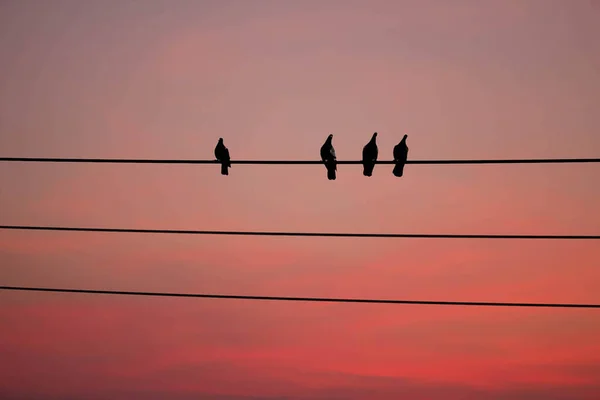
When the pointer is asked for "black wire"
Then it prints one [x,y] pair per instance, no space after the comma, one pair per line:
[297,162]
[303,299]
[313,234]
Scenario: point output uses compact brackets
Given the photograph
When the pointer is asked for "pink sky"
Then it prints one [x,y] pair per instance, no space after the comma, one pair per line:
[158,79]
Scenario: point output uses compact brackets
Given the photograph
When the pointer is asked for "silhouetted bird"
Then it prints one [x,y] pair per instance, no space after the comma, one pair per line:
[400,156]
[222,155]
[369,156]
[328,157]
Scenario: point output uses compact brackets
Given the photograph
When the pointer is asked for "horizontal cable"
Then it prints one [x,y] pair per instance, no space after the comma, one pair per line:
[314,234]
[296,162]
[303,299]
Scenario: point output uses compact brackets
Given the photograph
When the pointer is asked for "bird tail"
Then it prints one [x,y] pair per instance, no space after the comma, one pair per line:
[331,168]
[368,169]
[225,168]
[331,174]
[399,169]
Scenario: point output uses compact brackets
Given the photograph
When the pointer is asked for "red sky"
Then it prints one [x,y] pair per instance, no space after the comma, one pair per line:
[158,79]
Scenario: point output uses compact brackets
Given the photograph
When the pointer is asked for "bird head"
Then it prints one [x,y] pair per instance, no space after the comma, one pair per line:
[220,140]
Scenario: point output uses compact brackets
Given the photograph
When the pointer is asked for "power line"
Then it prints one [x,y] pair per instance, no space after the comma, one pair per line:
[295,162]
[313,234]
[302,299]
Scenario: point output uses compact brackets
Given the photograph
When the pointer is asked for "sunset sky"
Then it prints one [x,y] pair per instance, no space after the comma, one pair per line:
[166,79]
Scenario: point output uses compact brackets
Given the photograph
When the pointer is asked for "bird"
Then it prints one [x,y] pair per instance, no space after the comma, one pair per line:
[369,156]
[400,156]
[222,155]
[328,157]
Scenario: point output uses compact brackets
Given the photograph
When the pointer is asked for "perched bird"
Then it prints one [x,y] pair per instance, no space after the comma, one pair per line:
[400,156]
[222,155]
[328,157]
[369,156]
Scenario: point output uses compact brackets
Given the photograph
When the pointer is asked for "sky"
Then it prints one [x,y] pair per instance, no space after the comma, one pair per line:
[165,79]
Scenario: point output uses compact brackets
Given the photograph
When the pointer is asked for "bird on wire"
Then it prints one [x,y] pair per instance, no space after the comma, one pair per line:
[369,156]
[400,156]
[222,155]
[328,157]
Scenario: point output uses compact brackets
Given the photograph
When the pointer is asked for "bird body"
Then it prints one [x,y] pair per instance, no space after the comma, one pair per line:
[369,156]
[400,156]
[328,157]
[222,155]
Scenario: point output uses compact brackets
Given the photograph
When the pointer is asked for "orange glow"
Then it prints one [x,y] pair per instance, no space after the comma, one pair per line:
[273,78]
